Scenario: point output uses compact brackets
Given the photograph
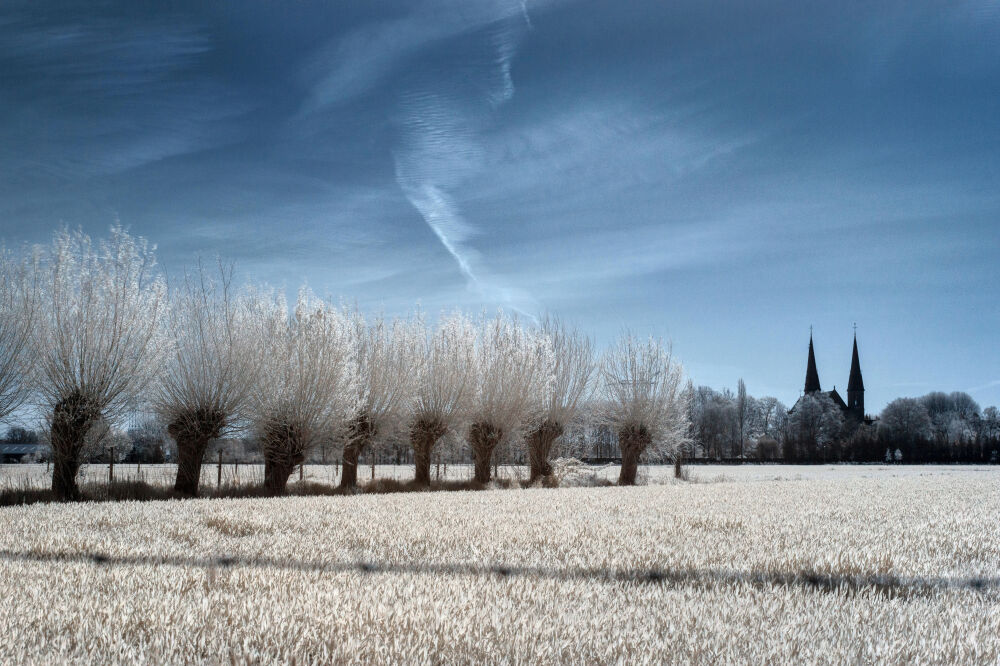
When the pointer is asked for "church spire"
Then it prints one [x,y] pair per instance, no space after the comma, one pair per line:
[812,376]
[855,384]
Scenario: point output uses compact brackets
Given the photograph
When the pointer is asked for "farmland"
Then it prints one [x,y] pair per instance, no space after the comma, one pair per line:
[821,565]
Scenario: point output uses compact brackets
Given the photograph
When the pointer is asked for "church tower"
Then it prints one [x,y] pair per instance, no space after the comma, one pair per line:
[812,376]
[856,385]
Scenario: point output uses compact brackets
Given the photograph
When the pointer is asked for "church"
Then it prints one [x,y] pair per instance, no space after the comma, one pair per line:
[854,408]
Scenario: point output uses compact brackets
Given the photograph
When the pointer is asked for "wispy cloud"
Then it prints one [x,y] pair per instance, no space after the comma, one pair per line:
[440,148]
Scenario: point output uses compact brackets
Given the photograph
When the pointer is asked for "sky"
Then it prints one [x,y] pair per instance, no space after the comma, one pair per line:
[724,175]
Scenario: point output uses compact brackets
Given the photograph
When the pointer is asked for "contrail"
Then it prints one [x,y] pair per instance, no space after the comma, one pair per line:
[438,211]
[441,148]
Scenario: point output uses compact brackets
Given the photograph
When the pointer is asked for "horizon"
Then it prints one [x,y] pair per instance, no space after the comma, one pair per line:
[721,177]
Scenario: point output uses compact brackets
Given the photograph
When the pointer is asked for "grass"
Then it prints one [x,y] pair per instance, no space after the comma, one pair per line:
[862,566]
[16,494]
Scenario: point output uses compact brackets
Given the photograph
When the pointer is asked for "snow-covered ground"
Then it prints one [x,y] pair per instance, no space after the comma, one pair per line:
[521,576]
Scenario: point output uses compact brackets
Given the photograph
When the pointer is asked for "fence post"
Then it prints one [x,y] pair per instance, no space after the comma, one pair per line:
[300,471]
[218,479]
[373,466]
[111,466]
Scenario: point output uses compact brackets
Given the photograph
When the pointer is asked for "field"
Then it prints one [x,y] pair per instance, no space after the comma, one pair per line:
[753,564]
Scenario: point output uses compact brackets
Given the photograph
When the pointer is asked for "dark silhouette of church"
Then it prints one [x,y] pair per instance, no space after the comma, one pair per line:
[854,408]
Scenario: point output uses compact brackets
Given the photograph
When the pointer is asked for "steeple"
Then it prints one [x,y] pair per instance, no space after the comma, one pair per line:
[856,385]
[812,376]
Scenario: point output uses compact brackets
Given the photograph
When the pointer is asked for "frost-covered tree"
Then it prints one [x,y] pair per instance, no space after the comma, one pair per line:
[905,420]
[443,388]
[511,386]
[573,371]
[98,340]
[307,382]
[815,423]
[212,369]
[644,400]
[19,299]
[388,368]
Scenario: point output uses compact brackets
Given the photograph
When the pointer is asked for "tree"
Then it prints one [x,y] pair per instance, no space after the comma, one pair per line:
[742,412]
[815,422]
[905,420]
[772,417]
[19,301]
[573,371]
[98,340]
[644,400]
[211,371]
[511,386]
[443,388]
[713,419]
[388,367]
[307,384]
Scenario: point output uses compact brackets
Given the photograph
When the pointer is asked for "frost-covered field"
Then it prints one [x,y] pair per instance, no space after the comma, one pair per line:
[291,587]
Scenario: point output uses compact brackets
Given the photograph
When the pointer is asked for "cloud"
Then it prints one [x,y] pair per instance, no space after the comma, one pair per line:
[441,121]
[351,65]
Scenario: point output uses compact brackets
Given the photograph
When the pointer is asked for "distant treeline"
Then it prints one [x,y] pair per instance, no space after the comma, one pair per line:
[935,428]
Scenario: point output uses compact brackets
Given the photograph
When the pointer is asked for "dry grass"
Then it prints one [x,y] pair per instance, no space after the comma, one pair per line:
[406,578]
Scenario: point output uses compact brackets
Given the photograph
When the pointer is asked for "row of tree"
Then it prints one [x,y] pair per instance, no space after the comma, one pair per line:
[938,427]
[89,331]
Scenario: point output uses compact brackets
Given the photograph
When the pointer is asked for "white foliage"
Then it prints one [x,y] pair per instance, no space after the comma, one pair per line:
[213,365]
[389,364]
[100,330]
[308,373]
[642,386]
[19,298]
[573,370]
[513,382]
[447,368]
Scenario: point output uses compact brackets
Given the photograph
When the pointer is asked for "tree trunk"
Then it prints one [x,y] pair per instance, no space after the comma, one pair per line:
[349,475]
[540,446]
[276,473]
[362,432]
[632,440]
[423,436]
[484,437]
[65,466]
[72,419]
[192,432]
[190,453]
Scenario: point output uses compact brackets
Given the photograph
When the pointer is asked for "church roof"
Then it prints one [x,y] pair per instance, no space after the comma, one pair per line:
[855,383]
[837,400]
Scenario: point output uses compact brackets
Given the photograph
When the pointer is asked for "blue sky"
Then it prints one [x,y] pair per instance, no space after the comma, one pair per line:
[722,174]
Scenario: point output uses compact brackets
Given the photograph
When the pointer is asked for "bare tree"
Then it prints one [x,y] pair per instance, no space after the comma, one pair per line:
[388,367]
[742,412]
[212,369]
[573,371]
[307,384]
[444,385]
[99,338]
[814,424]
[19,300]
[906,420]
[511,388]
[644,400]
